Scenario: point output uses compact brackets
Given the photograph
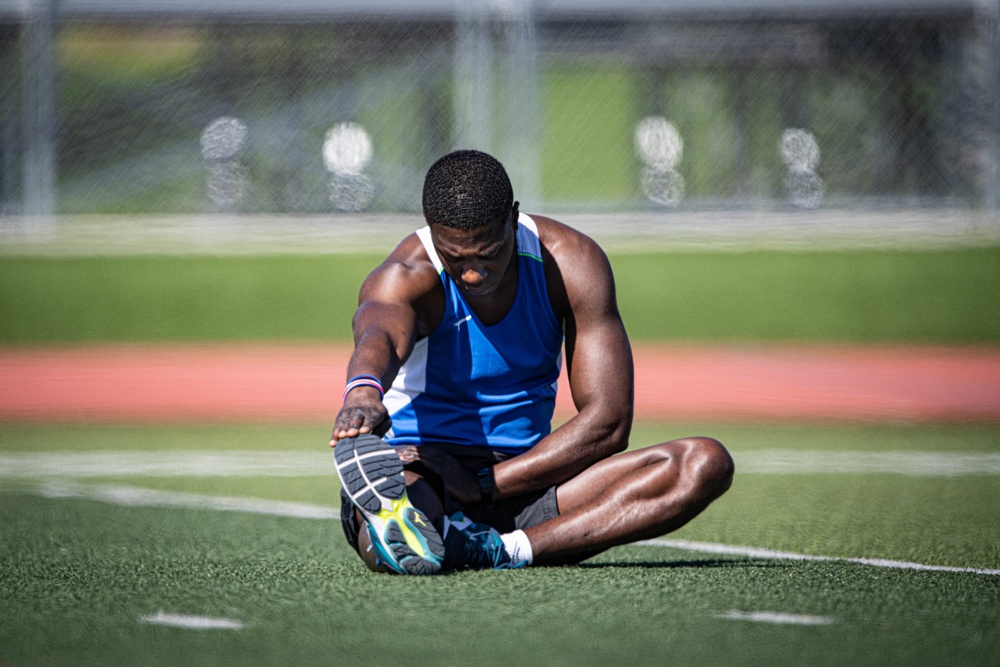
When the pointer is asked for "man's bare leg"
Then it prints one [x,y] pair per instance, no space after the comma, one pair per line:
[626,498]
[632,496]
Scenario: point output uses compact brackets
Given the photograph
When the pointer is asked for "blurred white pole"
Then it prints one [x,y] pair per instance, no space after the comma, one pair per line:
[10,124]
[521,140]
[991,29]
[473,75]
[38,62]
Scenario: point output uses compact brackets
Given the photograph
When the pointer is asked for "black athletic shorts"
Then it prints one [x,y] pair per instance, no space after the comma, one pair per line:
[517,513]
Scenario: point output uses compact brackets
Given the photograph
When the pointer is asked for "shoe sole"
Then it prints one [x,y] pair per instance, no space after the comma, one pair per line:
[372,476]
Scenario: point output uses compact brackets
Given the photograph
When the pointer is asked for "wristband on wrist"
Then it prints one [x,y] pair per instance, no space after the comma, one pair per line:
[363,380]
[487,484]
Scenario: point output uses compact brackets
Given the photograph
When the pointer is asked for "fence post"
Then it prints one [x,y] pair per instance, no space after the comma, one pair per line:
[10,121]
[521,135]
[990,21]
[38,61]
[473,75]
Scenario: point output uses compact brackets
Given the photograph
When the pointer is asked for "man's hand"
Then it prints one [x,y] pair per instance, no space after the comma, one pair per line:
[363,412]
[461,484]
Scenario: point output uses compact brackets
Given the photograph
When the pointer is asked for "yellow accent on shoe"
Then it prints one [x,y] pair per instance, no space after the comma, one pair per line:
[397,513]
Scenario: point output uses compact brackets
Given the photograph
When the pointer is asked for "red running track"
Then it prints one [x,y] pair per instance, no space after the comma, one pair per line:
[257,382]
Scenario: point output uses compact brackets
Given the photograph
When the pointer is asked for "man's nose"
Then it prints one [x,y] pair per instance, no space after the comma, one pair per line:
[473,275]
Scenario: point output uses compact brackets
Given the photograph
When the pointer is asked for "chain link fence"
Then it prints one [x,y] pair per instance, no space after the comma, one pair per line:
[592,111]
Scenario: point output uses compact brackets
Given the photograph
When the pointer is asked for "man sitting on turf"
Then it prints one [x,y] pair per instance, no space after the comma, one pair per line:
[456,466]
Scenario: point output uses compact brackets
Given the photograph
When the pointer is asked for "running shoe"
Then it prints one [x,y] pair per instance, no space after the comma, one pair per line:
[475,546]
[403,538]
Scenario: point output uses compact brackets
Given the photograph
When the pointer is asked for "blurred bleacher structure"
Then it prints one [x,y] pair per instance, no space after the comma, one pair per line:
[701,118]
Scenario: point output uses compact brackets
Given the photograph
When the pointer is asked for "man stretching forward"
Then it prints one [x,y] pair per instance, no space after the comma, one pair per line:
[444,444]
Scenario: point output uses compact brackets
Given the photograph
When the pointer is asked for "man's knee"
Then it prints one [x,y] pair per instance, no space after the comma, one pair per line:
[707,462]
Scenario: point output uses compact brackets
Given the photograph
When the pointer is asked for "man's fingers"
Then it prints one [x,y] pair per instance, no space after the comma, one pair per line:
[347,433]
[352,422]
[361,423]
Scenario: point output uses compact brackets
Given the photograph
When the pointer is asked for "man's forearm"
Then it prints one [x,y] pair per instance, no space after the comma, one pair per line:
[374,354]
[566,452]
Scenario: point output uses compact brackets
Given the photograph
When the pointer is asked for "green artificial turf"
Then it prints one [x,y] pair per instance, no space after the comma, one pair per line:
[79,577]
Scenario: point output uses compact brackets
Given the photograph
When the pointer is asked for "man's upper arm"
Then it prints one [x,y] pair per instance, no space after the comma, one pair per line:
[388,317]
[599,357]
[384,311]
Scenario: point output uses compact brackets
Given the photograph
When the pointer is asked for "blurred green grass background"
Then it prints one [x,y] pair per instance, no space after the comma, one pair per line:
[878,295]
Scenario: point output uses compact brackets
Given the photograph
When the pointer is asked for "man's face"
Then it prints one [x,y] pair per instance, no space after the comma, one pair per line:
[476,259]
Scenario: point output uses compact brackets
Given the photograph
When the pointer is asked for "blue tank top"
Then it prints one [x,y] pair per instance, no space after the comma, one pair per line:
[484,386]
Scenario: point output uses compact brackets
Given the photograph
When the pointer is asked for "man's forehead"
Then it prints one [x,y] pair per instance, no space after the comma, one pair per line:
[477,237]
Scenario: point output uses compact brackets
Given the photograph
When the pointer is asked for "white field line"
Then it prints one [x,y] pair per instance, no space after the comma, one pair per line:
[170,463]
[768,554]
[255,463]
[137,497]
[917,464]
[778,618]
[192,622]
[130,496]
[58,468]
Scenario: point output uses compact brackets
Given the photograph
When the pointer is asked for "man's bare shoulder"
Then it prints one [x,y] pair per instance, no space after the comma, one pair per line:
[577,257]
[407,273]
[576,268]
[565,243]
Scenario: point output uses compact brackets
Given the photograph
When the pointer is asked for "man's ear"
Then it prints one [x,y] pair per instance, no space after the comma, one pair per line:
[514,213]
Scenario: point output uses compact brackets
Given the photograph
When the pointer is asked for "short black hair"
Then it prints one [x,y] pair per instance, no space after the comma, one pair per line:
[467,189]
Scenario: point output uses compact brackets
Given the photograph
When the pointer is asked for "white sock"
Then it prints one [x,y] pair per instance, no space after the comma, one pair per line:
[518,547]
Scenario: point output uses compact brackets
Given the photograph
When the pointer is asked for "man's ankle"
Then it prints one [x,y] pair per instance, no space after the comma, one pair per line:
[518,547]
